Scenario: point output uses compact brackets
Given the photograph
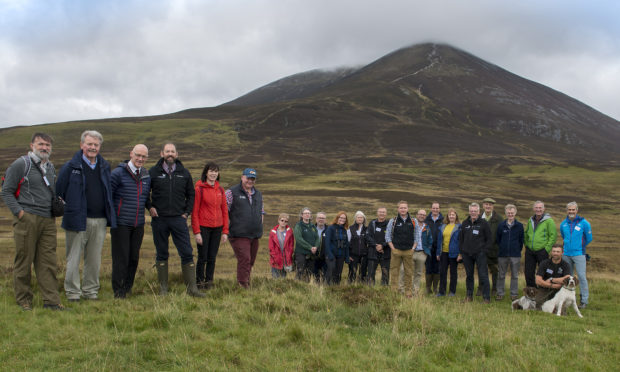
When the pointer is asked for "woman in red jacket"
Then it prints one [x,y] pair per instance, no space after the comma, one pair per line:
[209,223]
[281,246]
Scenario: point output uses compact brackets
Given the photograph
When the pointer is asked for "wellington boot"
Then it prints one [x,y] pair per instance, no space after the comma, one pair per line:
[429,283]
[162,277]
[189,277]
[435,282]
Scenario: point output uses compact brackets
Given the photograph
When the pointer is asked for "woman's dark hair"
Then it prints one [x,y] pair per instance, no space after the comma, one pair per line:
[212,166]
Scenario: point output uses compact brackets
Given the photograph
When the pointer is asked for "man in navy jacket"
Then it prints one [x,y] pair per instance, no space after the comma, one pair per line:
[130,184]
[84,184]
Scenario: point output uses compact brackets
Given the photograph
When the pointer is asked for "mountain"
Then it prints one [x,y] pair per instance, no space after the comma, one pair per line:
[428,97]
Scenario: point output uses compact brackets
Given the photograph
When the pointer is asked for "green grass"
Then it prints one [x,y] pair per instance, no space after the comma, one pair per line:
[288,325]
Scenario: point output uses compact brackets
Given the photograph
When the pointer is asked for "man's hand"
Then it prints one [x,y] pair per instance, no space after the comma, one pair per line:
[379,248]
[20,214]
[313,250]
[153,212]
[459,258]
[184,215]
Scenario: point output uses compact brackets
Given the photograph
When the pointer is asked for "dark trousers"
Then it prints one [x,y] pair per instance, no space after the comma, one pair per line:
[385,271]
[176,226]
[126,242]
[492,272]
[532,259]
[479,260]
[245,250]
[207,253]
[304,265]
[446,262]
[319,270]
[334,270]
[431,264]
[358,268]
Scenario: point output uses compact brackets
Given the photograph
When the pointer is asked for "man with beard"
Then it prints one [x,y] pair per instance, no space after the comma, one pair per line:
[171,202]
[84,185]
[28,194]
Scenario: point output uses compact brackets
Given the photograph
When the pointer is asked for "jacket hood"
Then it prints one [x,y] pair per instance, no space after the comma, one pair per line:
[199,183]
[545,216]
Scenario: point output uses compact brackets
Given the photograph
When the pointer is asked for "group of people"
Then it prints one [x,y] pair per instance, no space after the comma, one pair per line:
[96,197]
[405,247]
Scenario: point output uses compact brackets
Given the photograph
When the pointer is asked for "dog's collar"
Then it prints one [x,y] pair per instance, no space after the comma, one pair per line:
[530,298]
[569,289]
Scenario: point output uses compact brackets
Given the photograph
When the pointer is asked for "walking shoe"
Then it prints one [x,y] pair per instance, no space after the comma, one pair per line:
[468,299]
[499,298]
[451,294]
[201,284]
[512,298]
[582,305]
[26,307]
[487,301]
[56,307]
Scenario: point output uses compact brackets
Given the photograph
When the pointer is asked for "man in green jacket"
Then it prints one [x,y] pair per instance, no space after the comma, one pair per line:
[306,244]
[540,235]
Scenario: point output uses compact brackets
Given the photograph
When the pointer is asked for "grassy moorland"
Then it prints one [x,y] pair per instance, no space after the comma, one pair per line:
[286,325]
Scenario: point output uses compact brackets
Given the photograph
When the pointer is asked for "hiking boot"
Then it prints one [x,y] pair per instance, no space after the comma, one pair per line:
[499,298]
[468,299]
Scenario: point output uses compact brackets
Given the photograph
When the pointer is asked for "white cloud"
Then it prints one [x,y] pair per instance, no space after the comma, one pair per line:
[80,60]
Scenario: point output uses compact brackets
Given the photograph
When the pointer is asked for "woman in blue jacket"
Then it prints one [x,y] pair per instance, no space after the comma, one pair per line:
[336,247]
[448,253]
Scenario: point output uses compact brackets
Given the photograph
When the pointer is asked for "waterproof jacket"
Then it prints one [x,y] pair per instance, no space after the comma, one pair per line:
[376,235]
[306,237]
[494,222]
[475,236]
[276,259]
[129,194]
[434,227]
[357,245]
[510,239]
[453,247]
[71,187]
[541,237]
[210,207]
[321,247]
[336,242]
[577,234]
[171,194]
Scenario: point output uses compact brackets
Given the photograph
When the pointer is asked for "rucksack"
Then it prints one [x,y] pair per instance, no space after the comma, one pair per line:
[26,160]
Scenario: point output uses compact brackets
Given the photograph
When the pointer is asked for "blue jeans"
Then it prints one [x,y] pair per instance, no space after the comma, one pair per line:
[578,263]
[479,260]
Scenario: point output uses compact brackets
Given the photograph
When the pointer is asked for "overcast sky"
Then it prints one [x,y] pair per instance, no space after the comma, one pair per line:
[66,60]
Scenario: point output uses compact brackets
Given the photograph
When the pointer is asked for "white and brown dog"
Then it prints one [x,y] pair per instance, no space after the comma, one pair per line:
[564,298]
[527,302]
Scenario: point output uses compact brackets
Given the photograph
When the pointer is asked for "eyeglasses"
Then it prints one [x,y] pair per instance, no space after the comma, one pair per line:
[283,220]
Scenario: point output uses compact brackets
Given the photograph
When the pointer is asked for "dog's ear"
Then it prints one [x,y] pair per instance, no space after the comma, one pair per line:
[529,291]
[576,281]
[565,281]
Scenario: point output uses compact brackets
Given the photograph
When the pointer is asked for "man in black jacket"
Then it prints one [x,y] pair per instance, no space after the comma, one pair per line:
[379,252]
[475,241]
[434,222]
[171,202]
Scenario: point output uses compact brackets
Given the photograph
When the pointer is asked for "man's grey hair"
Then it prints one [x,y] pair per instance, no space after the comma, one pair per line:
[572,204]
[474,205]
[92,133]
[303,210]
[323,213]
[538,202]
[510,206]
